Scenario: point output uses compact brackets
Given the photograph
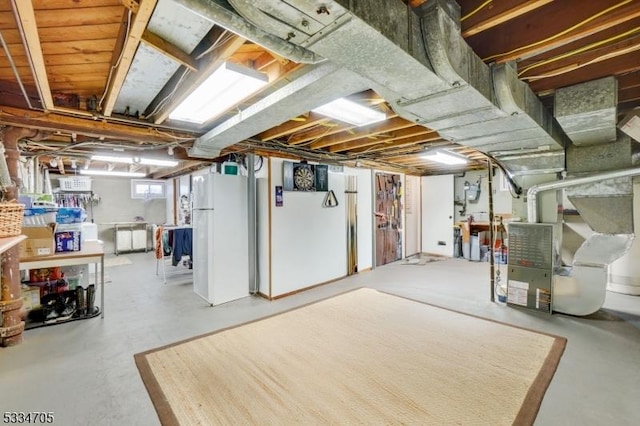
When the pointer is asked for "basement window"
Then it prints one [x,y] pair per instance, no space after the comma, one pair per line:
[148,188]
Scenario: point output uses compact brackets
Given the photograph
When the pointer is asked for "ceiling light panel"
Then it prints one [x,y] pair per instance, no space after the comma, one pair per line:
[443,157]
[351,112]
[137,160]
[111,173]
[226,87]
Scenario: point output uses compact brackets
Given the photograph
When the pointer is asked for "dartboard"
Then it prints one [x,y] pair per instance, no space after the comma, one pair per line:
[303,178]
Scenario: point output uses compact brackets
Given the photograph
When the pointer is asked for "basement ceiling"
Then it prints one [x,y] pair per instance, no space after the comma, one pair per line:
[99,75]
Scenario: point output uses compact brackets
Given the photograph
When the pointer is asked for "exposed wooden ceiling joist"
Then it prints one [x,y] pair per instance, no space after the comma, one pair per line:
[169,49]
[548,29]
[139,24]
[54,122]
[497,13]
[25,17]
[172,94]
[174,171]
[409,132]
[420,139]
[389,125]
[321,130]
[621,64]
[132,5]
[571,61]
[294,125]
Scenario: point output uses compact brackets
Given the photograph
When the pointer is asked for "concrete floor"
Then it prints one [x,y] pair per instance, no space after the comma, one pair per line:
[84,371]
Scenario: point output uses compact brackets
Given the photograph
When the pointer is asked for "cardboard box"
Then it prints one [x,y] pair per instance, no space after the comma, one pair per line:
[30,297]
[39,242]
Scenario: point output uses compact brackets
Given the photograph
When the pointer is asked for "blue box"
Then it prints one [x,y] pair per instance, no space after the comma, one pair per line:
[68,238]
[70,215]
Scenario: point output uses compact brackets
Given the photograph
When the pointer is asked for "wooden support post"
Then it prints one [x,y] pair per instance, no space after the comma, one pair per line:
[12,324]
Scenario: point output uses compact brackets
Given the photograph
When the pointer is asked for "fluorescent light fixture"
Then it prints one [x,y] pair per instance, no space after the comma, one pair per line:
[158,162]
[112,159]
[444,157]
[112,173]
[130,160]
[351,112]
[227,86]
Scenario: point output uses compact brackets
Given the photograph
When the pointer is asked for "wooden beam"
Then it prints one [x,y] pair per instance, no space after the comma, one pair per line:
[615,66]
[629,80]
[543,26]
[139,24]
[499,13]
[323,129]
[390,125]
[294,125]
[25,18]
[171,95]
[179,169]
[169,49]
[132,5]
[551,67]
[264,60]
[394,136]
[91,127]
[397,144]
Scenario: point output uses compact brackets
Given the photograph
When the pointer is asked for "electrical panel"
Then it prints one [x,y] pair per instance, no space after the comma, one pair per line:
[530,266]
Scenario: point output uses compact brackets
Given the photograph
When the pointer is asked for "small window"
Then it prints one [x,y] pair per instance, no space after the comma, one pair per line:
[146,188]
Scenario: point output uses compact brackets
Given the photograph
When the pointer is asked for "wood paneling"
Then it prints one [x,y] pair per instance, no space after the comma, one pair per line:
[78,16]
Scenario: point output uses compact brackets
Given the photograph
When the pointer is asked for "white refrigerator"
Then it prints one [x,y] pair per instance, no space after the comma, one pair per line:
[220,238]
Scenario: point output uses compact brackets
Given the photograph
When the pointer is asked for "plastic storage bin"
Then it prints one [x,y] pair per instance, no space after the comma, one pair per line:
[75,183]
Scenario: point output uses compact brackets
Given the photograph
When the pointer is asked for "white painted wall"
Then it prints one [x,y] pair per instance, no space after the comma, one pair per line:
[437,214]
[413,215]
[170,213]
[308,240]
[502,199]
[116,205]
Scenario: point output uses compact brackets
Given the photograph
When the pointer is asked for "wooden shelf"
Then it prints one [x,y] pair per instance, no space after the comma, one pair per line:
[7,242]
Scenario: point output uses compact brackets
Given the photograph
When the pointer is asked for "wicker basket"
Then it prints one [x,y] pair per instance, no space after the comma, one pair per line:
[11,219]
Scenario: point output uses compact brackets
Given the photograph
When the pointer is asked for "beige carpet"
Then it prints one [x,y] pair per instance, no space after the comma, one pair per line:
[363,357]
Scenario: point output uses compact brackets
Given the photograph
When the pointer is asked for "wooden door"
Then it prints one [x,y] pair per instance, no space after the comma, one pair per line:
[388,217]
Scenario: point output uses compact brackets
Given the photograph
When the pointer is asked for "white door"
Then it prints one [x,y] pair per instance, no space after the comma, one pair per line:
[437,214]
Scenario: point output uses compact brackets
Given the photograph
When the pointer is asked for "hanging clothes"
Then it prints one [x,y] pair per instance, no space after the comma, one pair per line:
[182,245]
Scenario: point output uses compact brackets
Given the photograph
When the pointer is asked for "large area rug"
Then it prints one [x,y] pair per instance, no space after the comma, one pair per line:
[363,357]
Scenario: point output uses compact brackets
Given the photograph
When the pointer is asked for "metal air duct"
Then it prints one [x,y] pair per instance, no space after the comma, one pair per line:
[582,289]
